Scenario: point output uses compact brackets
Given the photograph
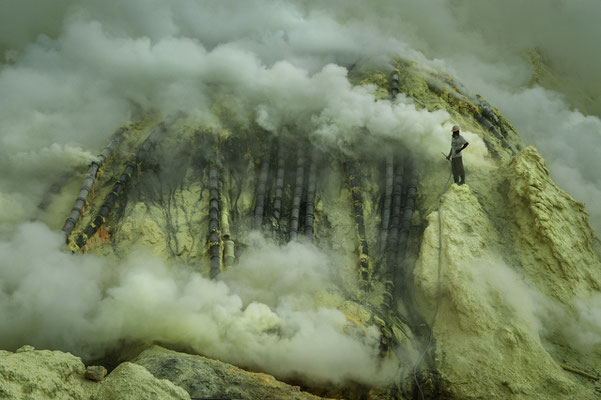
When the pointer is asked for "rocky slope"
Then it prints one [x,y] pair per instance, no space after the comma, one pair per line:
[503,265]
[470,293]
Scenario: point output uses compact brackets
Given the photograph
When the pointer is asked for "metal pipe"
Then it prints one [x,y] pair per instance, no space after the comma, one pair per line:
[490,148]
[388,184]
[298,192]
[393,234]
[261,186]
[359,221]
[407,214]
[229,246]
[395,83]
[214,234]
[310,198]
[82,197]
[279,184]
[481,119]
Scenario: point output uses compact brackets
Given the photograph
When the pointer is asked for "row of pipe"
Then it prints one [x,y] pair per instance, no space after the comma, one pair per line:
[89,182]
[106,207]
[304,190]
[486,123]
[119,186]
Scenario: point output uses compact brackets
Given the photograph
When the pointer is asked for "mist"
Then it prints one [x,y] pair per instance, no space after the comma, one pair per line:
[74,71]
[88,305]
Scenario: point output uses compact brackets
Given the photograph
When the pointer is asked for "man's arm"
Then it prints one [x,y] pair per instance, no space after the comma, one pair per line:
[462,147]
[450,152]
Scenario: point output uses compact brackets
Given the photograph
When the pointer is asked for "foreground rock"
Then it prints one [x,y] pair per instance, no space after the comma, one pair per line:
[206,378]
[45,374]
[95,373]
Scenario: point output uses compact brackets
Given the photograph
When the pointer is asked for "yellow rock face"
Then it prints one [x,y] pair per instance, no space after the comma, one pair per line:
[498,271]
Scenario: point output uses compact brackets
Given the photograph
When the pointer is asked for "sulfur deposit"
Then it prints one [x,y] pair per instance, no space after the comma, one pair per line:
[44,374]
[506,270]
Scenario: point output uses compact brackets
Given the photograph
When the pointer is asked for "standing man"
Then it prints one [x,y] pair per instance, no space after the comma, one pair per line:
[458,143]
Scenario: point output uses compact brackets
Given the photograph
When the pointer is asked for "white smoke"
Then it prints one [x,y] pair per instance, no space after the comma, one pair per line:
[262,316]
[507,293]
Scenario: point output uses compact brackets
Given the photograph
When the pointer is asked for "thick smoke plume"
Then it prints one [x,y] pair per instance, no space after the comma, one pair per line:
[87,304]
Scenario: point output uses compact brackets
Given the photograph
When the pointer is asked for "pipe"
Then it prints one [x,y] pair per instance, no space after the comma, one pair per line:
[406,222]
[388,184]
[279,184]
[494,131]
[393,234]
[106,207]
[214,234]
[359,221]
[262,184]
[488,113]
[229,252]
[395,83]
[54,189]
[580,372]
[82,197]
[298,192]
[229,246]
[310,198]
[490,148]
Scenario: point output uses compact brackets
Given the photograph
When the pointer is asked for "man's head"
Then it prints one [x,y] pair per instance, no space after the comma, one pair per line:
[455,130]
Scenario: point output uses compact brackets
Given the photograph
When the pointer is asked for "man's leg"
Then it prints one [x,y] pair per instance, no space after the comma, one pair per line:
[460,170]
[454,168]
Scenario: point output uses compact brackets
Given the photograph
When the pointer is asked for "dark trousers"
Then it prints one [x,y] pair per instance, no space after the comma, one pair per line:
[457,168]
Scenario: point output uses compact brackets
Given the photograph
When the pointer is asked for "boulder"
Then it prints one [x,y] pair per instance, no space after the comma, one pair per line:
[45,374]
[206,378]
[95,373]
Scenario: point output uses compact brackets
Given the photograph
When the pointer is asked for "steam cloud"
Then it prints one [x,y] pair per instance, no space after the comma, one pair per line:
[87,304]
[75,70]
